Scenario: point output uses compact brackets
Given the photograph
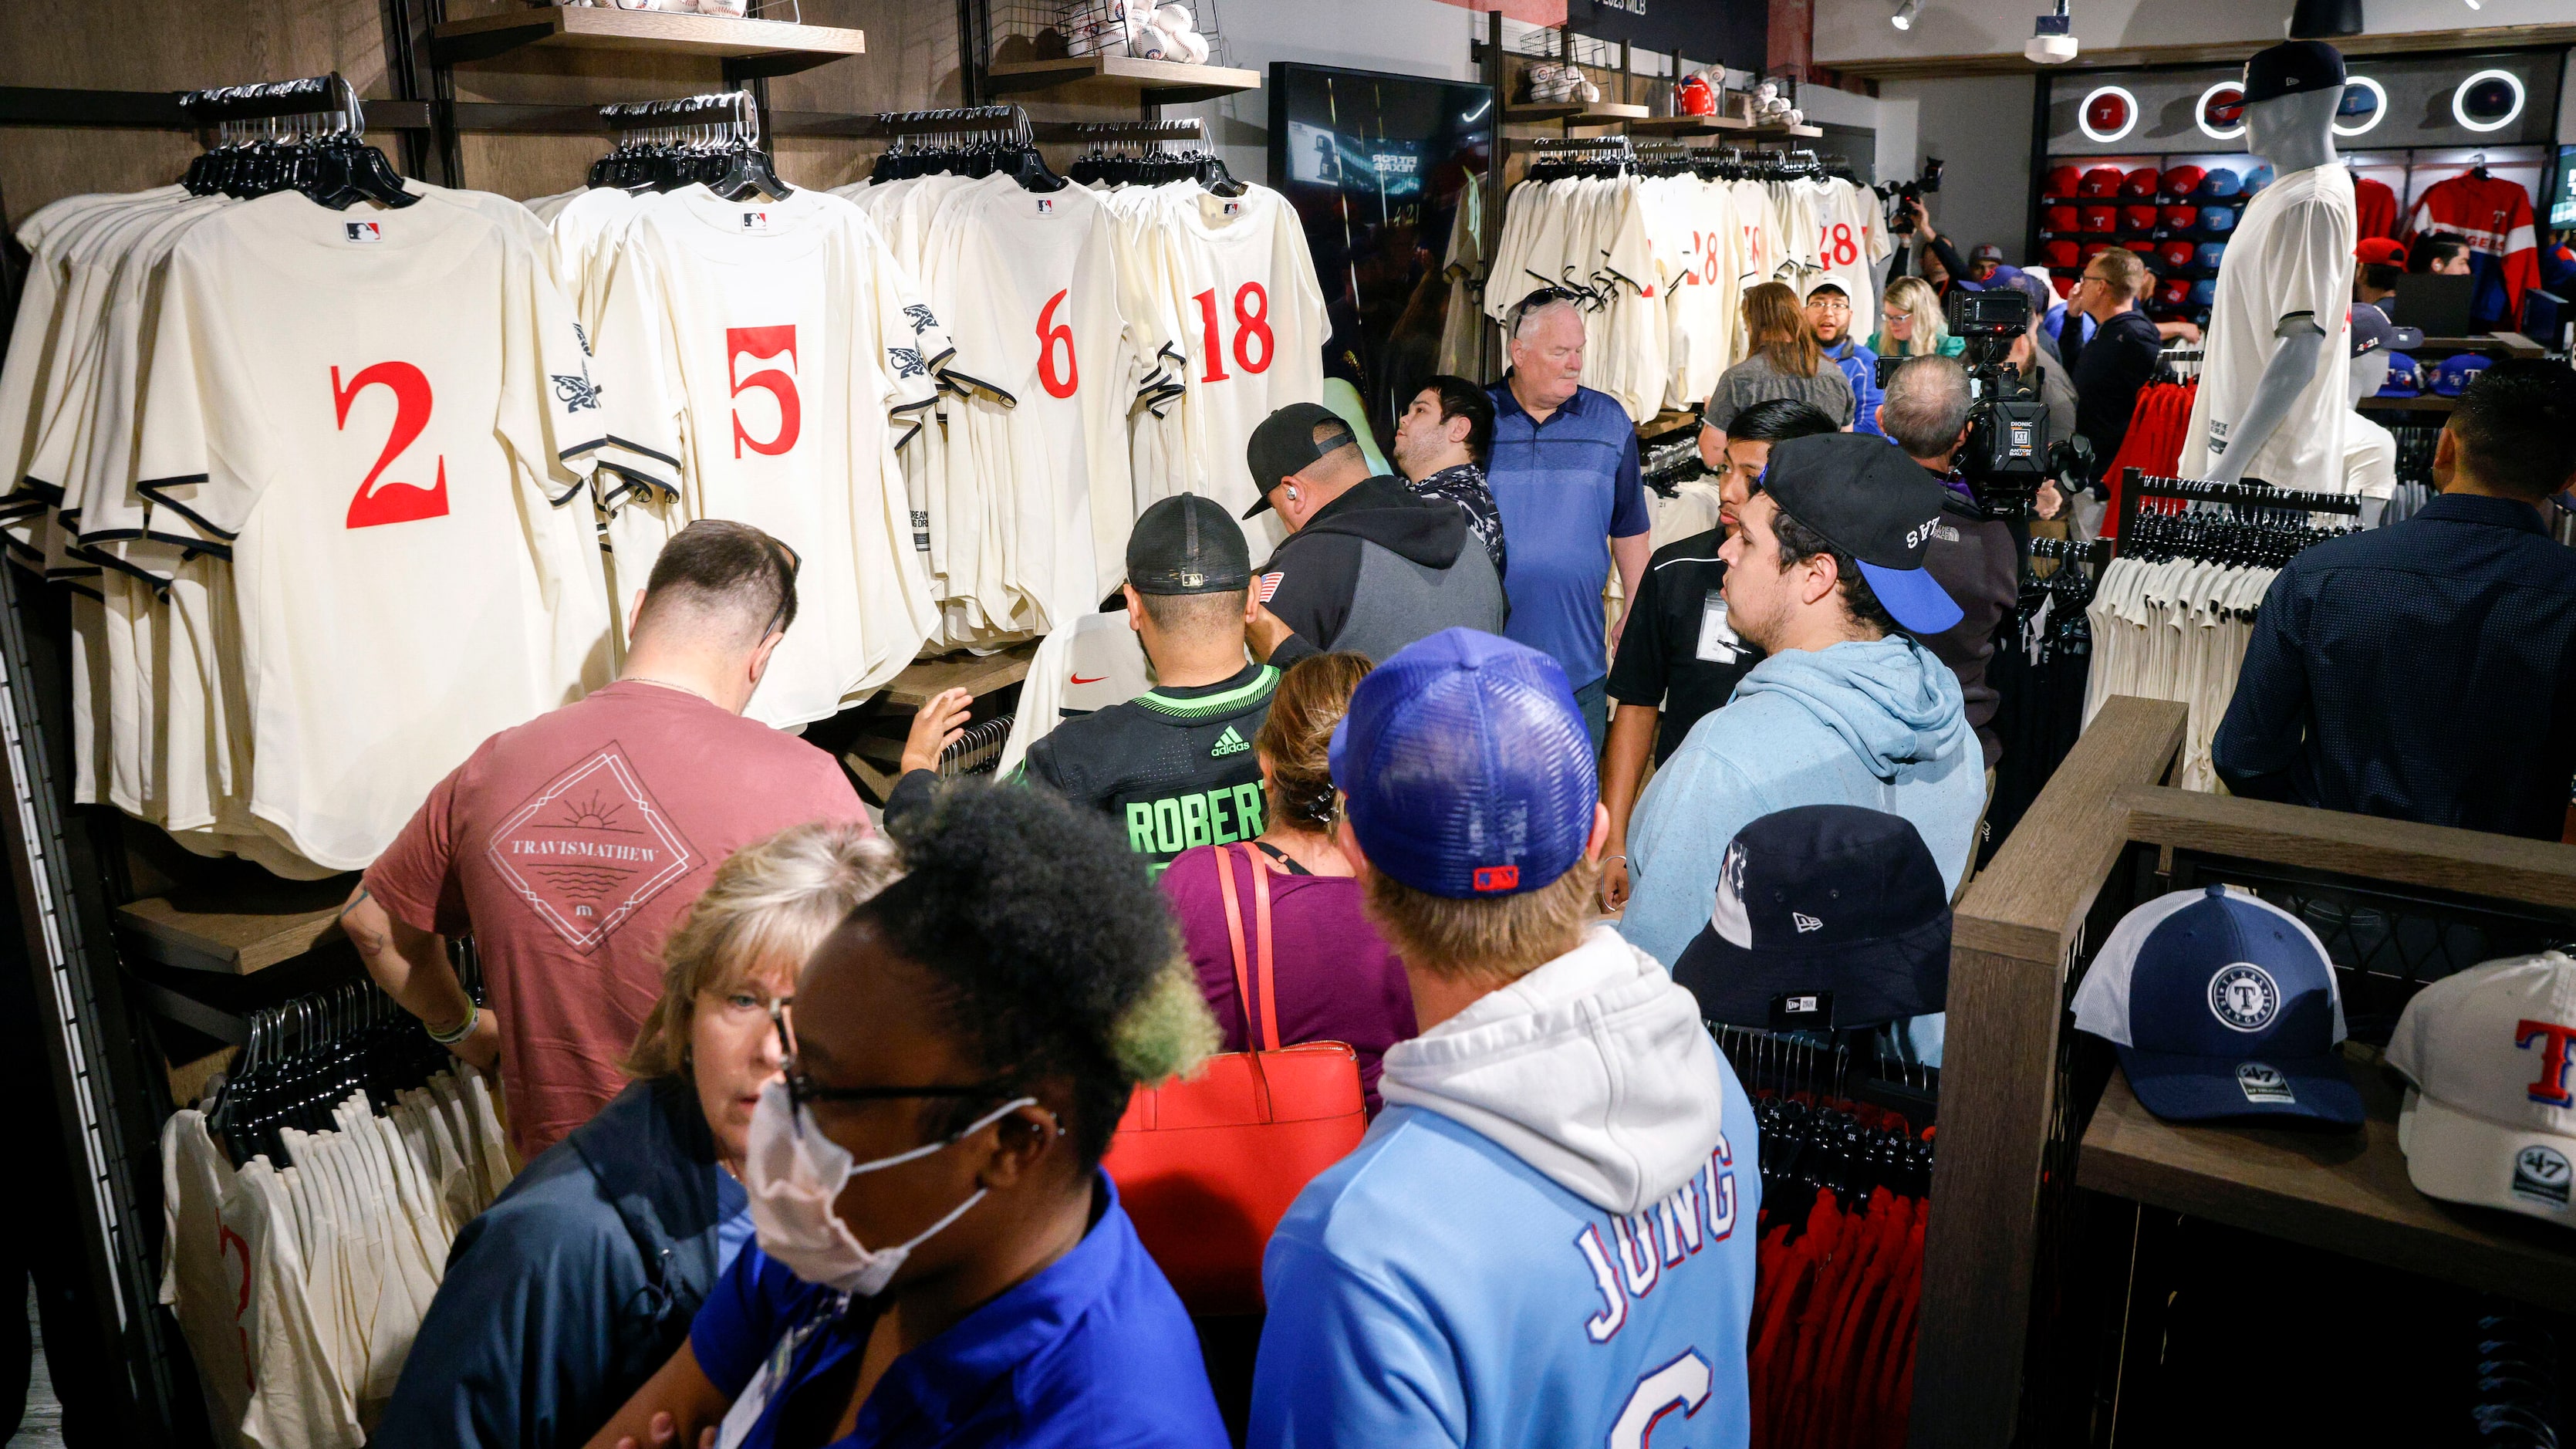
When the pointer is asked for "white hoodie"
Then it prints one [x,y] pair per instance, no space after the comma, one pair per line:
[1594,1069]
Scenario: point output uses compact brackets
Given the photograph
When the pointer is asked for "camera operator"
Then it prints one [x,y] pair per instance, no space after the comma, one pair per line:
[1972,556]
[1941,264]
[2120,356]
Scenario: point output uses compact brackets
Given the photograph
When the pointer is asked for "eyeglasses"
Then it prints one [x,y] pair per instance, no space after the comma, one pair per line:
[1831,304]
[1547,294]
[802,1089]
[1895,316]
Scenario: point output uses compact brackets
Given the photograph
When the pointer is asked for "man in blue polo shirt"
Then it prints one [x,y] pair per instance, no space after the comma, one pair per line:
[1564,474]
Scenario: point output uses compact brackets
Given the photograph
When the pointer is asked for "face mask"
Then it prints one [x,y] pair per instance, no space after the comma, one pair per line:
[795,1173]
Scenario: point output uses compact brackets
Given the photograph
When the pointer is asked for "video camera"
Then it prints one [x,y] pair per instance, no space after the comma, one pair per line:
[2008,453]
[1899,195]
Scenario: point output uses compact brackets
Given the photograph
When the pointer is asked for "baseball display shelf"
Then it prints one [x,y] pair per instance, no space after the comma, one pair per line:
[1156,82]
[750,48]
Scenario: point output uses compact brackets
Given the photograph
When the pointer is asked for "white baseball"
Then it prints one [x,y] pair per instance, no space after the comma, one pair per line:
[1194,46]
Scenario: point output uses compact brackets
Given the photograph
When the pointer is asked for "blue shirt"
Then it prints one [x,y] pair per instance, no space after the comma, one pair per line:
[1433,1289]
[2424,671]
[1565,488]
[1860,369]
[1095,1350]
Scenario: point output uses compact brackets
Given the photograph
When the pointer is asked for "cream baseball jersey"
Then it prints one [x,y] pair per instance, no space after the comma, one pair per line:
[379,416]
[2290,257]
[758,361]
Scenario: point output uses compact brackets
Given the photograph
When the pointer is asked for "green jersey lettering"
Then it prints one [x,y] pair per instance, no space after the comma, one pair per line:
[1220,829]
[1247,808]
[1167,826]
[1140,827]
[1194,820]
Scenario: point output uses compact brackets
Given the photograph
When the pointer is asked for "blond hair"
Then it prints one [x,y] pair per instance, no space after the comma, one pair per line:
[1915,297]
[770,904]
[1484,939]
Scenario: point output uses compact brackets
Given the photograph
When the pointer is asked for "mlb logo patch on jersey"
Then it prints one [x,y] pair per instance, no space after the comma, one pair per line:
[362,231]
[1269,584]
[755,221]
[1046,205]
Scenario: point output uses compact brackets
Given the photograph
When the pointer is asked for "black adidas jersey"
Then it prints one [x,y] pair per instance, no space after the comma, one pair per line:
[1174,767]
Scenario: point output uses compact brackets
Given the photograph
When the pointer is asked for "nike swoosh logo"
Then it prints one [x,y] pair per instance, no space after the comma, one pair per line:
[1095,679]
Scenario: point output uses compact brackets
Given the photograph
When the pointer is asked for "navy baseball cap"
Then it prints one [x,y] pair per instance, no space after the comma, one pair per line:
[2292,67]
[2452,376]
[1466,767]
[1872,502]
[2221,1005]
[1827,916]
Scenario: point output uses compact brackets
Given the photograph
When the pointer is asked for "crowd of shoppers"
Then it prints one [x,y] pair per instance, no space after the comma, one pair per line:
[1784,359]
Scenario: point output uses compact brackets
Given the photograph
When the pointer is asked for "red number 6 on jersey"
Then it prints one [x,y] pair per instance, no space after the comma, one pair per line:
[1057,384]
[765,342]
[371,505]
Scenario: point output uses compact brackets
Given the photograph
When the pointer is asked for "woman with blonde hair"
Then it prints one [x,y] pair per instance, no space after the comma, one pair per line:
[571,1289]
[1911,324]
[1334,979]
[1785,360]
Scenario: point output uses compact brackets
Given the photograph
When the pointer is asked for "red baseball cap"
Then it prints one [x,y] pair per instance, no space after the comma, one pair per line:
[2094,249]
[2058,255]
[2101,218]
[2138,218]
[2064,284]
[2176,253]
[2101,181]
[2059,218]
[2061,181]
[2173,294]
[2181,218]
[2145,247]
[2183,180]
[2141,182]
[2379,251]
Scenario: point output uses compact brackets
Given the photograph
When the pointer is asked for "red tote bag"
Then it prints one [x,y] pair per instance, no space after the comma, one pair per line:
[1207,1166]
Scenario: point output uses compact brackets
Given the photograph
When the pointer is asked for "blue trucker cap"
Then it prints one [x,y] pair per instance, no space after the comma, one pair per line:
[2221,1005]
[1466,766]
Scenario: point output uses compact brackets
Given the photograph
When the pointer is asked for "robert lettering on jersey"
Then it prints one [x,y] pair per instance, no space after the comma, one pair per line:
[1175,823]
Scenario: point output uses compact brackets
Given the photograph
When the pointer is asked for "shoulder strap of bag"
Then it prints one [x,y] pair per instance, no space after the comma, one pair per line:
[1234,937]
[1262,959]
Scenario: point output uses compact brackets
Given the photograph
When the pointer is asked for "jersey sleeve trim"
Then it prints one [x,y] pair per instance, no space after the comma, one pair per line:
[154,489]
[952,376]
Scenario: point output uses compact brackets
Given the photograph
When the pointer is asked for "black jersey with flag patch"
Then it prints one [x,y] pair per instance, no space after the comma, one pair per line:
[1173,767]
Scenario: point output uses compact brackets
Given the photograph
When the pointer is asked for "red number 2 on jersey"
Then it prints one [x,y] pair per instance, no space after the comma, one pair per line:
[1839,250]
[371,505]
[1057,384]
[765,342]
[1251,321]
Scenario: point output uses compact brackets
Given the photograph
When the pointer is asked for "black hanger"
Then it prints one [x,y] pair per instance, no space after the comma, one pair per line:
[748,176]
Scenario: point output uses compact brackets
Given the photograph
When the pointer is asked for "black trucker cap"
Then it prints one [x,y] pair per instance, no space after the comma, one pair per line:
[1285,443]
[1186,545]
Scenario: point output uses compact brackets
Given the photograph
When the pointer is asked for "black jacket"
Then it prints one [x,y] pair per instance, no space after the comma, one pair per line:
[1376,569]
[2109,370]
[1173,767]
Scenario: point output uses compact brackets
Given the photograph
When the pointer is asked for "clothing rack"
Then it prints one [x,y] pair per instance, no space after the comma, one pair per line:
[2095,551]
[977,749]
[1183,128]
[1861,1065]
[956,120]
[737,107]
[2177,364]
[2248,499]
[318,95]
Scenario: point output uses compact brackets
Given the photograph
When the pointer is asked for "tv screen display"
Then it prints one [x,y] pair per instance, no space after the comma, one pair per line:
[2562,203]
[1377,167]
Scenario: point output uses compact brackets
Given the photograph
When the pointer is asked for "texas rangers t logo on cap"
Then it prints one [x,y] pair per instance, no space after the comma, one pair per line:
[2244,996]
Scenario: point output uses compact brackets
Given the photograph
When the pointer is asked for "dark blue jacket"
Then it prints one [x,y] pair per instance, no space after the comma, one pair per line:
[573,1287]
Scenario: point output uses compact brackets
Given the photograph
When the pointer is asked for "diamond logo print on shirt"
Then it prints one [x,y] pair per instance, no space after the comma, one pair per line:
[588,850]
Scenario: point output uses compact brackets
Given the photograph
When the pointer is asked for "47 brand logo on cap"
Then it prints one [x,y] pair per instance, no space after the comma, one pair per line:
[2244,997]
[1497,877]
[2262,1083]
[2541,1175]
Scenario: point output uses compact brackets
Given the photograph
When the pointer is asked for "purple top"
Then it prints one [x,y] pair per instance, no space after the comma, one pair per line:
[1332,978]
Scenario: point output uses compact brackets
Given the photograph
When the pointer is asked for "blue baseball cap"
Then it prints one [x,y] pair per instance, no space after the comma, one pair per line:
[2214,219]
[2221,1005]
[2220,182]
[2204,293]
[2261,176]
[2405,379]
[2210,254]
[1466,766]
[2454,374]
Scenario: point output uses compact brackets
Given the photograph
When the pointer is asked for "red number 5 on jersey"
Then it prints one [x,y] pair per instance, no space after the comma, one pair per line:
[760,342]
[394,502]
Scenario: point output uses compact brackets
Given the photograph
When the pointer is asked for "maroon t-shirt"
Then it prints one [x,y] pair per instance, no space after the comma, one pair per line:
[1332,978]
[567,847]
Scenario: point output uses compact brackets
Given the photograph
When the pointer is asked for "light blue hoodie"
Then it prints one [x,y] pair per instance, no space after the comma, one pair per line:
[1876,724]
[1547,1238]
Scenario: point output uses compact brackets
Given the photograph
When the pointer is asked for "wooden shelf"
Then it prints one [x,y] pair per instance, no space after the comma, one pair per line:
[235,931]
[1665,423]
[2502,344]
[1687,126]
[2345,1192]
[1597,113]
[977,674]
[1162,82]
[1809,132]
[752,47]
[2429,403]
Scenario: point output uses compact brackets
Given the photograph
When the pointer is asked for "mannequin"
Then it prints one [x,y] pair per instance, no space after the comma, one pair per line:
[2276,331]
